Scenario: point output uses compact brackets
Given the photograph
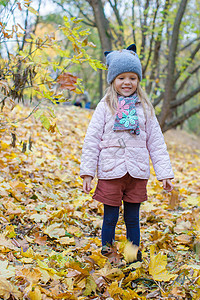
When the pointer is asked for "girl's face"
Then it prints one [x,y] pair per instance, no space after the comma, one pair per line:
[126,83]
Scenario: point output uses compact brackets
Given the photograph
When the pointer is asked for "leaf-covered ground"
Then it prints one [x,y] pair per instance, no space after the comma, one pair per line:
[50,231]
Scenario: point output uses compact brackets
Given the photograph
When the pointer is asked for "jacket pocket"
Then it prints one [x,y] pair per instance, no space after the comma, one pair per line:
[107,159]
[143,161]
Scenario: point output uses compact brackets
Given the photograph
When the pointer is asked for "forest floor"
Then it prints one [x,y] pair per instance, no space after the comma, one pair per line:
[183,138]
[50,230]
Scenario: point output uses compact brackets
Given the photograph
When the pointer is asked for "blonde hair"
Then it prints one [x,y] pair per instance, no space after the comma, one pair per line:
[112,99]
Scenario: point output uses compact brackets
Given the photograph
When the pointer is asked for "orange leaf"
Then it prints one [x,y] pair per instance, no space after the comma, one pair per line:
[41,240]
[67,81]
[19,6]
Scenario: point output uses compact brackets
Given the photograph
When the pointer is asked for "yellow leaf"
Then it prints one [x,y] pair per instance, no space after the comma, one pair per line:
[35,294]
[99,259]
[193,200]
[11,155]
[159,196]
[90,286]
[114,273]
[26,260]
[157,266]
[92,45]
[4,146]
[115,290]
[85,42]
[130,252]
[183,191]
[10,231]
[18,185]
[28,254]
[148,206]
[132,276]
[45,277]
[43,265]
[32,276]
[72,229]
[32,10]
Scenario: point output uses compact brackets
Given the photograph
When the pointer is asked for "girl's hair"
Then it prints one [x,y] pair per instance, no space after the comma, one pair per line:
[112,100]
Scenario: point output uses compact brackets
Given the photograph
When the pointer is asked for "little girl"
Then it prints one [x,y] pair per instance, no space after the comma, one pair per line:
[121,136]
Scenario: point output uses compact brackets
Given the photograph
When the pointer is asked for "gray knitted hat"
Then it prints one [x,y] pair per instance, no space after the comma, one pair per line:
[123,61]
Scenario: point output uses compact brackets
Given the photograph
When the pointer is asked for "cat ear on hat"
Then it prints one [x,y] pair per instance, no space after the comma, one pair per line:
[132,47]
[107,52]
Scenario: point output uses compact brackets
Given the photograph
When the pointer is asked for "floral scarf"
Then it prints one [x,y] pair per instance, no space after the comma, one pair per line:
[126,116]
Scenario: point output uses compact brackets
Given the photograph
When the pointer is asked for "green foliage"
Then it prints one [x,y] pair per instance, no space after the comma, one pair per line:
[4,2]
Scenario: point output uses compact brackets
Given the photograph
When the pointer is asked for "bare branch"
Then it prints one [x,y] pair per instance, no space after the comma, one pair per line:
[157,46]
[186,79]
[6,46]
[144,30]
[178,121]
[16,34]
[35,25]
[158,99]
[185,66]
[184,99]
[152,38]
[32,112]
[189,44]
[140,12]
[119,20]
[25,27]
[22,119]
[89,23]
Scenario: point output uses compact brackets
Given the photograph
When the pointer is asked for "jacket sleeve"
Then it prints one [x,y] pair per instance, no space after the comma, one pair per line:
[158,149]
[91,149]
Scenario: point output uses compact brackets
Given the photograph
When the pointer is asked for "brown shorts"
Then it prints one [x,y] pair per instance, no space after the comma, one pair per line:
[126,188]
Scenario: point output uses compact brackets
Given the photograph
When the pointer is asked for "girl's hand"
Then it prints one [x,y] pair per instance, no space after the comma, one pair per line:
[167,185]
[87,184]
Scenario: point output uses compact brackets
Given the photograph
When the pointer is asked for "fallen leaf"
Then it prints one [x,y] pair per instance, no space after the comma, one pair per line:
[6,271]
[174,199]
[55,230]
[35,294]
[8,290]
[184,239]
[130,252]
[157,266]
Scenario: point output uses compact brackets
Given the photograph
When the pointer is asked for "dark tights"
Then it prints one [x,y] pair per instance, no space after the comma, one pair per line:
[131,219]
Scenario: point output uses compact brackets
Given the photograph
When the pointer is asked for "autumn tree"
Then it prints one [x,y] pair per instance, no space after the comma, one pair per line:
[167,40]
[41,64]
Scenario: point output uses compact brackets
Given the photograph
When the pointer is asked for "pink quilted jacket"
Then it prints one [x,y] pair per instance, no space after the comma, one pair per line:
[114,154]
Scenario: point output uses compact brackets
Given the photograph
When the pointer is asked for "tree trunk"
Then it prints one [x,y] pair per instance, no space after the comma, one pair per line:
[102,24]
[170,80]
